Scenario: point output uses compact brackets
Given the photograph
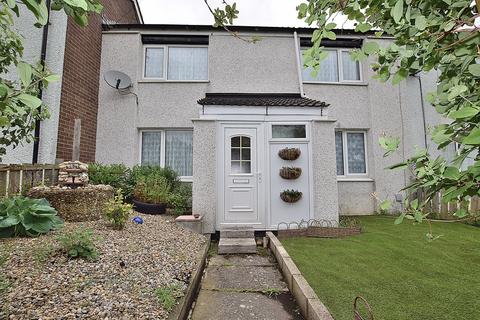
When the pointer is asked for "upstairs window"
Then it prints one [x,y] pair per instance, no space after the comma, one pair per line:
[337,67]
[177,63]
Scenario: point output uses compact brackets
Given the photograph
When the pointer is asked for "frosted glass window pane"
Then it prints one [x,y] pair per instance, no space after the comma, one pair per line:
[151,146]
[356,153]
[187,63]
[179,152]
[154,62]
[351,69]
[328,71]
[246,167]
[289,131]
[339,153]
[236,167]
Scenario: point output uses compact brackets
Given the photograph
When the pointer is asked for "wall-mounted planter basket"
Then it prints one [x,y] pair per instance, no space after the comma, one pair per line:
[290,173]
[289,153]
[291,196]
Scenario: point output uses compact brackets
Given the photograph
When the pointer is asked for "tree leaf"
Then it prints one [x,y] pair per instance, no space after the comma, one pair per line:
[456,91]
[465,112]
[473,138]
[420,23]
[77,3]
[474,69]
[451,173]
[370,47]
[397,11]
[330,35]
[29,100]
[400,75]
[25,73]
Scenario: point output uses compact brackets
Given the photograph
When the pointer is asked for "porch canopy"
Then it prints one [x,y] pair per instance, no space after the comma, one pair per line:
[267,104]
[260,99]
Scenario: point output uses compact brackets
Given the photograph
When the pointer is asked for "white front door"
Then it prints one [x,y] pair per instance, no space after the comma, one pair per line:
[241,162]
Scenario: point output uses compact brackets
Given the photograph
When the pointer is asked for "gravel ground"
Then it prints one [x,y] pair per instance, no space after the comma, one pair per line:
[120,284]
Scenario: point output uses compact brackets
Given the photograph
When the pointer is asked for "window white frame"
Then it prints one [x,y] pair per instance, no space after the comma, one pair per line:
[307,131]
[340,67]
[162,147]
[346,173]
[165,62]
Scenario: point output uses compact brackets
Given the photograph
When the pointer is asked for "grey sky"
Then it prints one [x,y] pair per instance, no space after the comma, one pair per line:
[252,12]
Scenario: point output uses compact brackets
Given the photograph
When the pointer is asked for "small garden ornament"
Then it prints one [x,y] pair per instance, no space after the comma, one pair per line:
[137,220]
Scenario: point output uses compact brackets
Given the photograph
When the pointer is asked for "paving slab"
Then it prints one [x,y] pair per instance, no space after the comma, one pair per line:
[215,305]
[244,260]
[243,278]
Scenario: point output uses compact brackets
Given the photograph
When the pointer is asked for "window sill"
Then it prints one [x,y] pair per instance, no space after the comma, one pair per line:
[185,179]
[171,81]
[359,84]
[342,179]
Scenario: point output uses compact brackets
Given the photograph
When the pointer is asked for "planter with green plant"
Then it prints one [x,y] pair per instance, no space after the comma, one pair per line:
[151,194]
[291,196]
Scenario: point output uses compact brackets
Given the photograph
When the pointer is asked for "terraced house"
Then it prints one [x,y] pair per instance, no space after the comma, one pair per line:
[228,114]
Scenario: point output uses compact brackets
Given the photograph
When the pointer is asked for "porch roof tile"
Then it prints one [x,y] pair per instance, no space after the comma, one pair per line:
[260,99]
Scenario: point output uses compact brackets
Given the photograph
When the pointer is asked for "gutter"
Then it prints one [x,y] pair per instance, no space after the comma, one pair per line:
[43,55]
[299,64]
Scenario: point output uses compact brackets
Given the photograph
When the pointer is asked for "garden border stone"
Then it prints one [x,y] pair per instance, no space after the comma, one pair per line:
[310,305]
[182,309]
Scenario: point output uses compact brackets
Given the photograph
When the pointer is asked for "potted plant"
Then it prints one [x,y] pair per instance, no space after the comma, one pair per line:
[290,173]
[291,196]
[151,194]
[289,153]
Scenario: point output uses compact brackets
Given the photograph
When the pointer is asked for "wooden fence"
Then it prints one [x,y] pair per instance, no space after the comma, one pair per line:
[442,210]
[18,179]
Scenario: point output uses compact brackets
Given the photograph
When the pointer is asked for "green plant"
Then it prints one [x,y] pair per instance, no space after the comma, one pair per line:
[79,243]
[180,199]
[153,188]
[117,211]
[167,296]
[115,175]
[139,172]
[41,254]
[4,284]
[22,216]
[271,292]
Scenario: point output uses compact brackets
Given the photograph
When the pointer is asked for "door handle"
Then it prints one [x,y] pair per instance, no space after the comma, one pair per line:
[259,174]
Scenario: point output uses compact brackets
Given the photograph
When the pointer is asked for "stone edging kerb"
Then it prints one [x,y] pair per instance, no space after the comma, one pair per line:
[310,306]
[182,309]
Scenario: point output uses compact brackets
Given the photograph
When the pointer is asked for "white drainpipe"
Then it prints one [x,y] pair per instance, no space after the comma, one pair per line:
[299,63]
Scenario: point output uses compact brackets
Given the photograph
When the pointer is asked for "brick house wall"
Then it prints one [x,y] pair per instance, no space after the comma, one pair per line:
[81,75]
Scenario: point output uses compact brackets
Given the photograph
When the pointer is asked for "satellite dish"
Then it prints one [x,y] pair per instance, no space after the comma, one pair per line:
[117,80]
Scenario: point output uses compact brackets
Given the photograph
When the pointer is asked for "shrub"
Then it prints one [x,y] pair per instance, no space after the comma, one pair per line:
[117,212]
[139,172]
[153,188]
[79,244]
[22,216]
[181,199]
[115,175]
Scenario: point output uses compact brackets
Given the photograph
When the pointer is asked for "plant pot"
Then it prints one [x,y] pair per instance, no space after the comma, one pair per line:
[289,153]
[149,208]
[290,173]
[289,198]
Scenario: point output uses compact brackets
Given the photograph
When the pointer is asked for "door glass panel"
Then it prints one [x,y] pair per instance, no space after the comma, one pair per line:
[236,167]
[240,155]
[236,142]
[246,167]
[235,154]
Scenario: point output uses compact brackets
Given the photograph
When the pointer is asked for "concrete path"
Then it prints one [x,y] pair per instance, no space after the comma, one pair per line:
[244,287]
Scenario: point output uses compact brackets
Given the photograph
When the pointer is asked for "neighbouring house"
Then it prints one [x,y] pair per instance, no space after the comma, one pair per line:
[218,110]
[74,53]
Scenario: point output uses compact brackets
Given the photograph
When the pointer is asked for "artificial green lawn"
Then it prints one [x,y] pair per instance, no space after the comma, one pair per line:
[401,275]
